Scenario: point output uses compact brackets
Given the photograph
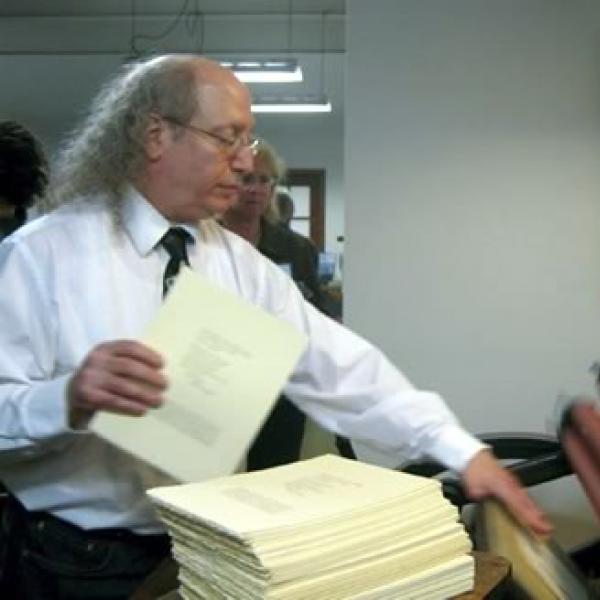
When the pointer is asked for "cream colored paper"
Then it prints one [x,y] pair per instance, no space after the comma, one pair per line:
[321,488]
[327,527]
[226,362]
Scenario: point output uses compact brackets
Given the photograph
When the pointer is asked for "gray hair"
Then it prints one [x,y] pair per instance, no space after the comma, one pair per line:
[108,150]
[276,165]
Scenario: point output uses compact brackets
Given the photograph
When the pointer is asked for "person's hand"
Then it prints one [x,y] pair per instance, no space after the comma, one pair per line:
[123,377]
[485,477]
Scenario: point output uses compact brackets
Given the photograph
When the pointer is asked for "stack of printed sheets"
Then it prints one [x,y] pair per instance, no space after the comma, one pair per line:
[321,528]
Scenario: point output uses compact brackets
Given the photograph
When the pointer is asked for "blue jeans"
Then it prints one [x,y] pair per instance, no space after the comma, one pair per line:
[45,558]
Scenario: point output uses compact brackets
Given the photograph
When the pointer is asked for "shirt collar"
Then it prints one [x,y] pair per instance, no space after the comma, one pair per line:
[144,224]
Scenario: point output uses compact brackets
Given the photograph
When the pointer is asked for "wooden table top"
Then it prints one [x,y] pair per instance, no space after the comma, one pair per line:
[491,571]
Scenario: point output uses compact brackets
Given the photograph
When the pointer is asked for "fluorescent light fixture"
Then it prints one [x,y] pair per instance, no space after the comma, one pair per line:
[265,71]
[305,104]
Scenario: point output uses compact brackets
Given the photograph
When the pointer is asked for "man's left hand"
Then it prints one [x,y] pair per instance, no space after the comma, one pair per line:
[485,477]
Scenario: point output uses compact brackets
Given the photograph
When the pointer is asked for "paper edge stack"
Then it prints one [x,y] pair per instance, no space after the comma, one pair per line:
[326,527]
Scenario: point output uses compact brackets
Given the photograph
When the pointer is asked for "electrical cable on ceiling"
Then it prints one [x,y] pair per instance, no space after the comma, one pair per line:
[191,16]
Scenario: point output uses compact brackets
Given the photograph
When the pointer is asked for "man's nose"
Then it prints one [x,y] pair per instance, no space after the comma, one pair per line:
[243,160]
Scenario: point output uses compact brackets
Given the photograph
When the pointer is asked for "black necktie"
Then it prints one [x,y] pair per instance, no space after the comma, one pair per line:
[174,242]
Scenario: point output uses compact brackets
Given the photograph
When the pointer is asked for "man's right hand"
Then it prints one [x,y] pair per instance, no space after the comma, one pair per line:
[123,377]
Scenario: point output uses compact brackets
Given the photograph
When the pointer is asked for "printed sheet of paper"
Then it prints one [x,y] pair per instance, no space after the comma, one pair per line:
[226,362]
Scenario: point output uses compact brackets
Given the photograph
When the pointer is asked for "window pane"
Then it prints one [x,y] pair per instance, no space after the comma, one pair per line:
[301,196]
[301,226]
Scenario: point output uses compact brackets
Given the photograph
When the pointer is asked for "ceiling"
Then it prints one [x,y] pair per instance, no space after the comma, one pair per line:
[108,7]
[62,50]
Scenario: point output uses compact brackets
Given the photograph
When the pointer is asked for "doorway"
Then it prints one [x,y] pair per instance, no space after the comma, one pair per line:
[307,188]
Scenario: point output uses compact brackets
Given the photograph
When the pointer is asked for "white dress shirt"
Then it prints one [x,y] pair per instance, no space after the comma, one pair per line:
[74,278]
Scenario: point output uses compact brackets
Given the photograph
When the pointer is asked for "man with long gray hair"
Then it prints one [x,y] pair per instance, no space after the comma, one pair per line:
[161,154]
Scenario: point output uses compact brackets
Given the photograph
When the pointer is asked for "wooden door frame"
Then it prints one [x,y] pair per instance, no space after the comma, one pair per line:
[314,179]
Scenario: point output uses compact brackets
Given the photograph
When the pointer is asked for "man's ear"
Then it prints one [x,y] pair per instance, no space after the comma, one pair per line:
[158,136]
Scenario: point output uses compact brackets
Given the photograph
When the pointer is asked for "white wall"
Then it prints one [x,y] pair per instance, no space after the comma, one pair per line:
[473,203]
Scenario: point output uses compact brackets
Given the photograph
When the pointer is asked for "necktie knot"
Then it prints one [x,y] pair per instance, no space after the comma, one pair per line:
[174,242]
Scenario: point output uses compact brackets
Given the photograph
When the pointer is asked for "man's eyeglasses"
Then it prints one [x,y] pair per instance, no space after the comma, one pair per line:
[230,145]
[258,178]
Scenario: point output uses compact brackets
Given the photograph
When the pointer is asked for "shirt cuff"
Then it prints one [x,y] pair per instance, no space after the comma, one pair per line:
[455,447]
[45,410]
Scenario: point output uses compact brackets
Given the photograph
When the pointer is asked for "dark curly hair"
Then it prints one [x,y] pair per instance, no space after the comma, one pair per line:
[23,168]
